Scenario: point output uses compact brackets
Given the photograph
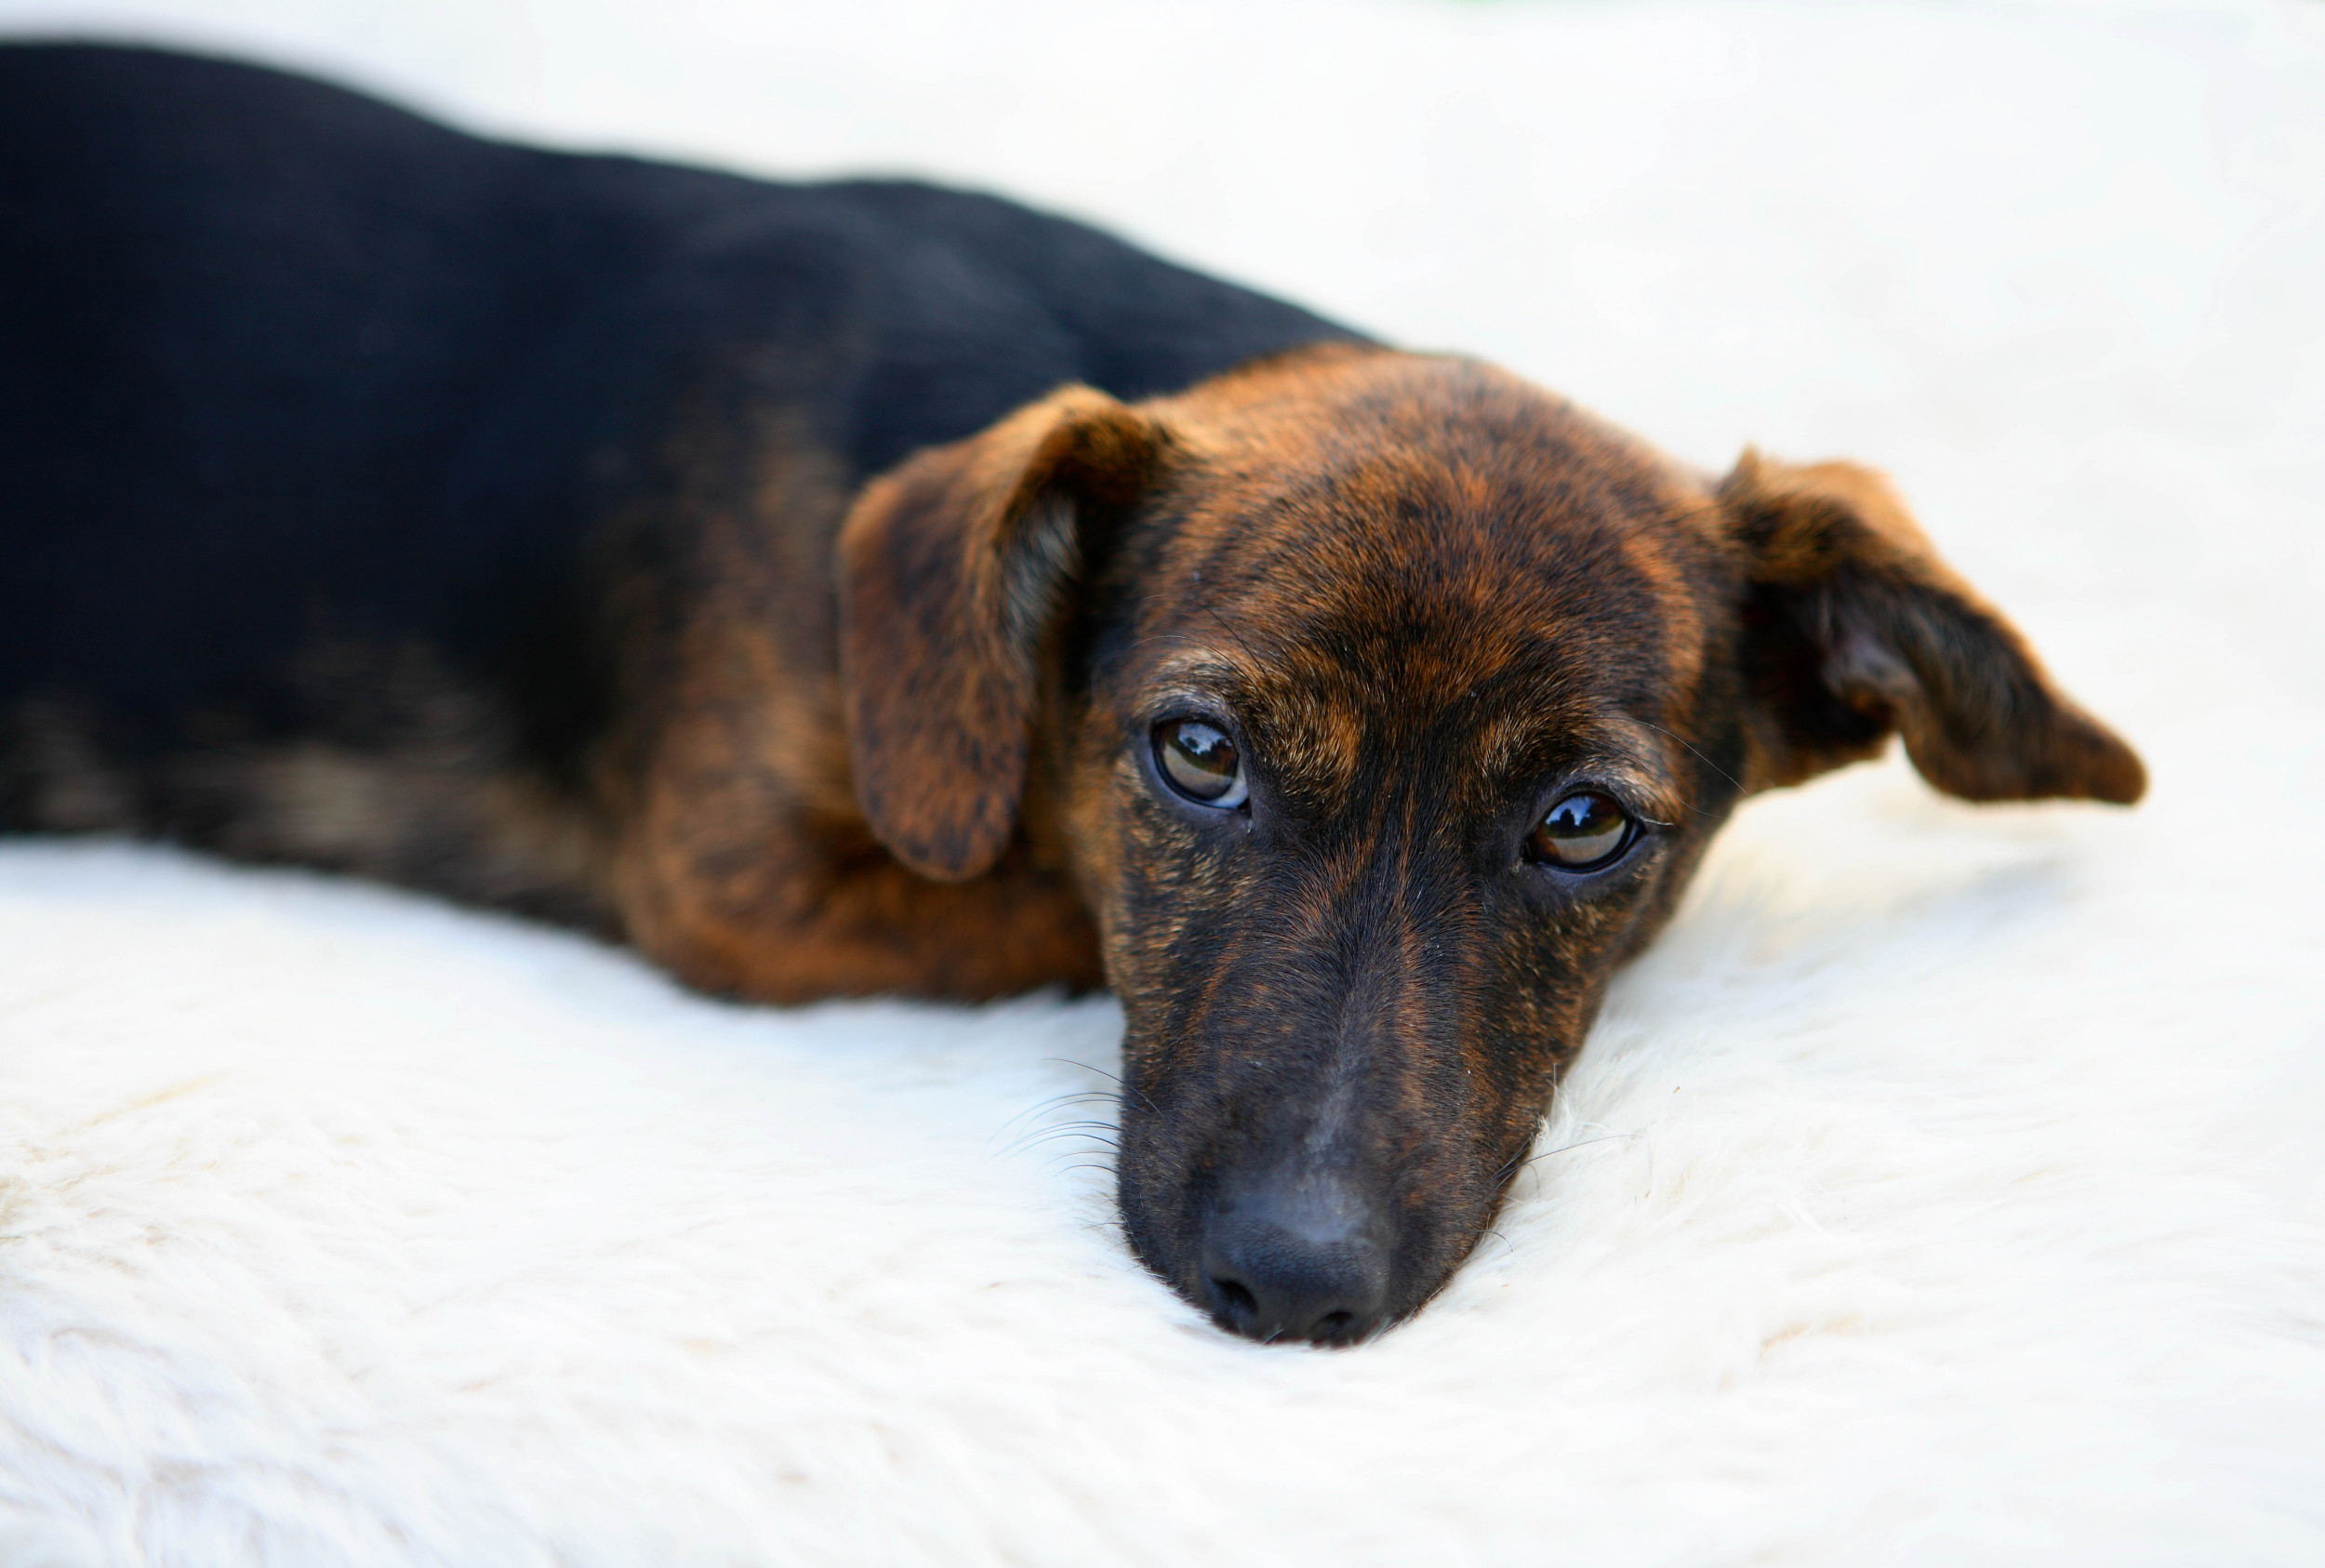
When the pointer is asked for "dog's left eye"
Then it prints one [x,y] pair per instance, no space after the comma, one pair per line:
[1582,832]
[1198,761]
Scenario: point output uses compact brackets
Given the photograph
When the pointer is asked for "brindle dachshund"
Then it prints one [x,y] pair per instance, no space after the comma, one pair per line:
[854,588]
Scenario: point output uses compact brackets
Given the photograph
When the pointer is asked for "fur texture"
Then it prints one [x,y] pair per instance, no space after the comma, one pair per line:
[1956,1193]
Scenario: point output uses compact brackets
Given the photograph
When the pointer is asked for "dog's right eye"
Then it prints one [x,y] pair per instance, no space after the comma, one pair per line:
[1198,761]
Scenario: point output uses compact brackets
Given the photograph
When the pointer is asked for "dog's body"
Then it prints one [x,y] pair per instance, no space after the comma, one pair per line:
[373,489]
[868,588]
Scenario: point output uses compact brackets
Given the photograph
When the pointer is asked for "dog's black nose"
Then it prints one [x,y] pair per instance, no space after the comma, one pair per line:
[1297,1260]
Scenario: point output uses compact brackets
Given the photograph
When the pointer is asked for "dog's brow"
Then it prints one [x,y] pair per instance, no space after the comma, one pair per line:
[1610,748]
[1204,672]
[1652,797]
[1635,756]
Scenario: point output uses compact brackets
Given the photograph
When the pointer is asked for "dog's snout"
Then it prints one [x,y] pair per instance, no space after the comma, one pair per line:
[1296,1259]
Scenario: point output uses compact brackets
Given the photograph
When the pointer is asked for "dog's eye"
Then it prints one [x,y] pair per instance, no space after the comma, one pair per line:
[1581,831]
[1199,762]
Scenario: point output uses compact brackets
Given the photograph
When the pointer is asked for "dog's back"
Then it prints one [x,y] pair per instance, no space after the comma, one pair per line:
[323,423]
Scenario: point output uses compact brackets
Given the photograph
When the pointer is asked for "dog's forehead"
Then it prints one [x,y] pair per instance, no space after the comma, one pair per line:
[1382,490]
[1383,547]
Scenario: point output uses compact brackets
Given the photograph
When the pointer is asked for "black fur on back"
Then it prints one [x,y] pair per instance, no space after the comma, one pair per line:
[313,413]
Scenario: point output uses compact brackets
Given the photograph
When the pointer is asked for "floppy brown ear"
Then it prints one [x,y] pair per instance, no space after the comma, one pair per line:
[1853,628]
[952,571]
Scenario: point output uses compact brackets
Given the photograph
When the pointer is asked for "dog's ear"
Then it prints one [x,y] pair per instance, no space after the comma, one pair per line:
[954,570]
[1853,628]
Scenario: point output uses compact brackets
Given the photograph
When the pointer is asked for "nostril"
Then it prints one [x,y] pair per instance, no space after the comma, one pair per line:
[1236,1302]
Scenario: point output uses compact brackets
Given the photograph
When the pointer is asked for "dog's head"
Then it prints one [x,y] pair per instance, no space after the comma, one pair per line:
[1382,705]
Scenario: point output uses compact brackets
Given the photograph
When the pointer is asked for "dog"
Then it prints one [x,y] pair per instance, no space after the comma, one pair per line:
[873,589]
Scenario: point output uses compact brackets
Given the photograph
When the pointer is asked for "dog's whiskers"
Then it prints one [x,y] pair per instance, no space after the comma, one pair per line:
[1579,1143]
[1700,757]
[1125,1084]
[1013,1136]
[1097,1132]
[1208,608]
[1073,1097]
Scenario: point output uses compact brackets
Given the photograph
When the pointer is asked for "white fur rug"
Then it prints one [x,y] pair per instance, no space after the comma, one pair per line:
[1947,1188]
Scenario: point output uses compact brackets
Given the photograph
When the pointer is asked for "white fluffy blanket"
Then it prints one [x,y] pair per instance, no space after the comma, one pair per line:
[1946,1188]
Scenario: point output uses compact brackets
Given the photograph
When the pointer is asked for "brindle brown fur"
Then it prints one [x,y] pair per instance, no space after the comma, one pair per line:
[857,720]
